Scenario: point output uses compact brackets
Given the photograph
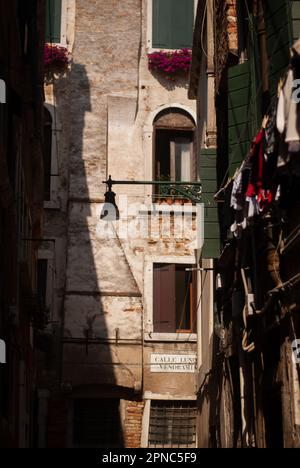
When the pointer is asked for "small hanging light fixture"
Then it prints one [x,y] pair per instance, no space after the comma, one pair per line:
[110,210]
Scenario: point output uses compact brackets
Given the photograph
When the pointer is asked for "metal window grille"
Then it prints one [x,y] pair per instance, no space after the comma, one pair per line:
[172,424]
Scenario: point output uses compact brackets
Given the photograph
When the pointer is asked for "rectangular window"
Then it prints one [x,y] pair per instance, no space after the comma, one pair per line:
[172,24]
[174,155]
[172,424]
[174,299]
[53,21]
[96,423]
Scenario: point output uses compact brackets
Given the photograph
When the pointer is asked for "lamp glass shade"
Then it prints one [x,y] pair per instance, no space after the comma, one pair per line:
[110,211]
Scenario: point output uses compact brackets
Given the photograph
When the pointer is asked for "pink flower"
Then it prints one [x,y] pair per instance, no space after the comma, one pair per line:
[170,63]
[55,57]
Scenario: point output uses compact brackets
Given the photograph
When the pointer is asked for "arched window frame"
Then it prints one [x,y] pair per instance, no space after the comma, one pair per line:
[148,143]
[174,130]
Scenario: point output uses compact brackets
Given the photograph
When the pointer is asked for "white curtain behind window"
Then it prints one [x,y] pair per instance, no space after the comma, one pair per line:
[181,159]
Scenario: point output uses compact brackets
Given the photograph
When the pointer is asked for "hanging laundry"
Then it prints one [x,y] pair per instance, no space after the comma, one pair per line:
[240,184]
[288,116]
[270,130]
[238,197]
[287,112]
[258,188]
[257,160]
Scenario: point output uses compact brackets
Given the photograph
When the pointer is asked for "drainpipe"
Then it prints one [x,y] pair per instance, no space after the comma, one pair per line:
[199,321]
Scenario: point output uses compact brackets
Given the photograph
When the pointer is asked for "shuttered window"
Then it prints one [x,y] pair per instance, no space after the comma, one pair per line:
[53,20]
[241,116]
[208,174]
[244,84]
[96,423]
[172,424]
[278,26]
[174,299]
[172,26]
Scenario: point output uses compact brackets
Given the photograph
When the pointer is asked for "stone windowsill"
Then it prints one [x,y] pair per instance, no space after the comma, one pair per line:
[171,337]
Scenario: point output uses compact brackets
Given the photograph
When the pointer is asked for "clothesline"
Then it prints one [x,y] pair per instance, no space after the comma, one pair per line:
[256,97]
[256,184]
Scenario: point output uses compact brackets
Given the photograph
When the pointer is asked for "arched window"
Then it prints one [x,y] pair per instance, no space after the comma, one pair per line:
[47,154]
[174,155]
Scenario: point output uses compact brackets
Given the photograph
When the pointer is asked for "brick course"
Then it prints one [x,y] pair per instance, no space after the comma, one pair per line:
[133,424]
[226,36]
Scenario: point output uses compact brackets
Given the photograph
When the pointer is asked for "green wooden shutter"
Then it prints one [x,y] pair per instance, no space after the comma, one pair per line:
[279,38]
[161,24]
[53,21]
[172,24]
[240,114]
[208,174]
[182,24]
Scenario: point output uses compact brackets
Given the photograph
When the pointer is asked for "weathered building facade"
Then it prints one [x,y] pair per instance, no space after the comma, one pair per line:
[119,365]
[21,215]
[249,396]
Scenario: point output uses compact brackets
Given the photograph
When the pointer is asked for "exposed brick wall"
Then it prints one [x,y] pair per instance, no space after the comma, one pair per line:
[232,29]
[133,424]
[226,35]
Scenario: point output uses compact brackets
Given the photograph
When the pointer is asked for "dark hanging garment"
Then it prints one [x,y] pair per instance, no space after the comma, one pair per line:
[256,186]
[257,159]
[228,212]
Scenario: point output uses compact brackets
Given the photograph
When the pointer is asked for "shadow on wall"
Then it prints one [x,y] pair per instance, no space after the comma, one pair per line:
[86,412]
[170,84]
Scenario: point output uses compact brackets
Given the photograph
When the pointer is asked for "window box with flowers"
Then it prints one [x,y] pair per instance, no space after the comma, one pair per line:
[56,60]
[170,63]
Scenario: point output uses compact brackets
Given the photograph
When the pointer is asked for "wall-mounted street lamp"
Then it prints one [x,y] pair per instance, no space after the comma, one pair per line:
[188,190]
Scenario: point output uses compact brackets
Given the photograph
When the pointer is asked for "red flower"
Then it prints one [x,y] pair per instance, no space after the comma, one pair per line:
[55,57]
[170,63]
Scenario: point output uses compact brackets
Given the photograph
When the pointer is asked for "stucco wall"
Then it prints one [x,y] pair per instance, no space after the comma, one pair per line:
[106,104]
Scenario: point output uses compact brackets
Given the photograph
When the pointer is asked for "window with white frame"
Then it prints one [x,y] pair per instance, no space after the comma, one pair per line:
[172,424]
[56,21]
[172,24]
